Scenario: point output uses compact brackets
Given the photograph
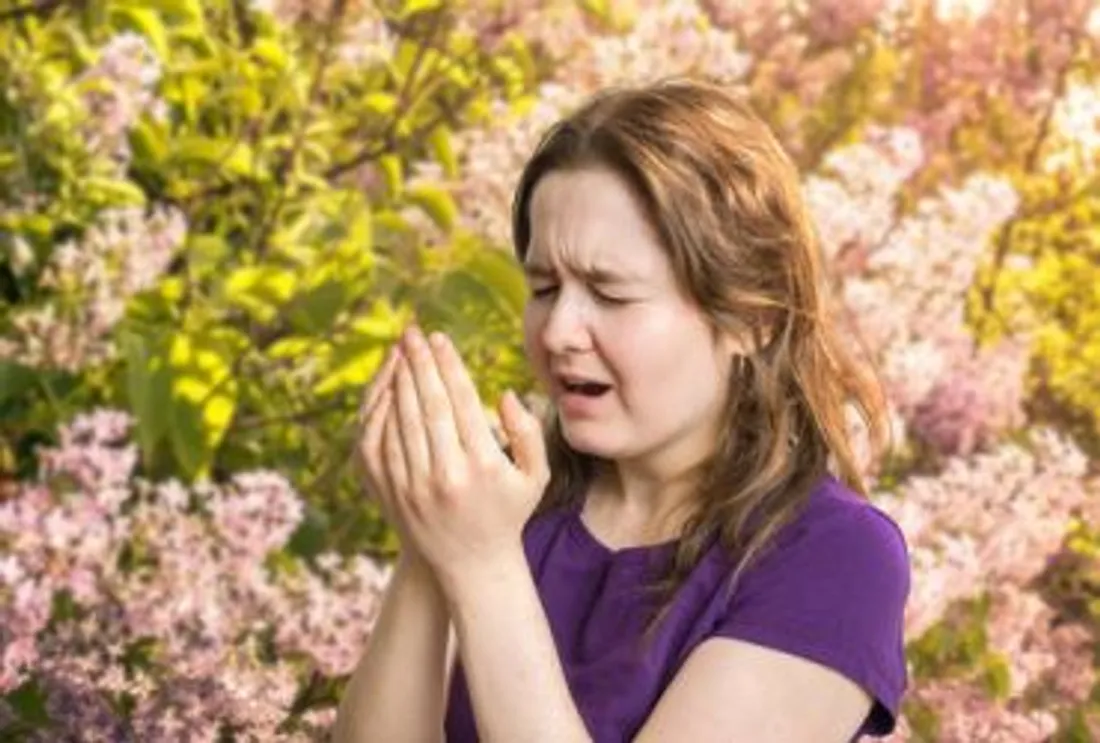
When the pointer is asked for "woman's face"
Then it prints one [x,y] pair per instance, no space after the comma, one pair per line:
[605,307]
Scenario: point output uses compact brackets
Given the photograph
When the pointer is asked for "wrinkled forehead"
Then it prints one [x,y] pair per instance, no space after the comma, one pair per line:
[589,222]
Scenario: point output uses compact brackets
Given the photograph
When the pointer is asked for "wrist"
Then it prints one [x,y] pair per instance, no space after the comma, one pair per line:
[472,583]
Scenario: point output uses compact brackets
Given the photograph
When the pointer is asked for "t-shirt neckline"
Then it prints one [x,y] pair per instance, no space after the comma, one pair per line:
[588,541]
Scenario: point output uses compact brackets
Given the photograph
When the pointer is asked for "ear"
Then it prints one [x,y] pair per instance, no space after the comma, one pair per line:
[731,345]
[728,343]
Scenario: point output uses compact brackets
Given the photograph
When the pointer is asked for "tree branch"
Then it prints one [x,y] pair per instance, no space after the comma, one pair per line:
[1031,159]
[41,8]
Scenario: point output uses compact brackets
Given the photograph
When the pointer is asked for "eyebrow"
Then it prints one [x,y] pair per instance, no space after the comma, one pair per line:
[595,275]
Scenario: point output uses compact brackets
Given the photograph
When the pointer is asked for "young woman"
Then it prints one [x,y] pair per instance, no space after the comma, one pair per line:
[684,552]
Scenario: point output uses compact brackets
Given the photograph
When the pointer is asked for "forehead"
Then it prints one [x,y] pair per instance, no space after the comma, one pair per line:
[588,220]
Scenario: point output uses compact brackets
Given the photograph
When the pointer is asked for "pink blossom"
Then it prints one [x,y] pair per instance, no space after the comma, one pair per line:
[180,575]
[118,90]
[88,283]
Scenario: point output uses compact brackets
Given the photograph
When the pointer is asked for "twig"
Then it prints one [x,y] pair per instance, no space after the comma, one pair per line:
[43,8]
[324,57]
[1000,254]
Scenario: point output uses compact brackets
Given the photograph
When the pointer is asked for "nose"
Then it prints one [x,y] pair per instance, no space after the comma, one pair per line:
[566,328]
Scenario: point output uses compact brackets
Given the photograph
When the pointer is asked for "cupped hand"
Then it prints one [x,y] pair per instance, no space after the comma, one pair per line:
[453,490]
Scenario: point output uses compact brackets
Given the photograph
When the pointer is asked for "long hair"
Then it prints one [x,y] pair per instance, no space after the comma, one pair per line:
[726,202]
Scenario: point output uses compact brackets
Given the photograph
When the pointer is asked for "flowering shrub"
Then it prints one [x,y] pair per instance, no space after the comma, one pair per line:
[132,610]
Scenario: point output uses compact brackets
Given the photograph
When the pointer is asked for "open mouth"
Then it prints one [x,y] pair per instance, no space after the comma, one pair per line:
[583,388]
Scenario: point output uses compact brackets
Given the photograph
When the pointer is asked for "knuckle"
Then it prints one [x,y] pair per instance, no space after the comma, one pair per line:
[450,483]
[485,463]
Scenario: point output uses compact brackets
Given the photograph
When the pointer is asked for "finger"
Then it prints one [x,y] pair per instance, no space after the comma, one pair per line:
[410,420]
[379,383]
[473,429]
[439,424]
[525,434]
[393,456]
[371,455]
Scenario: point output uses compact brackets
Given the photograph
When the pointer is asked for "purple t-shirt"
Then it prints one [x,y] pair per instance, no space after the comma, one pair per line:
[832,589]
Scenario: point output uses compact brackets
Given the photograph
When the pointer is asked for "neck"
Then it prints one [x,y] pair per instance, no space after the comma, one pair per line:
[645,492]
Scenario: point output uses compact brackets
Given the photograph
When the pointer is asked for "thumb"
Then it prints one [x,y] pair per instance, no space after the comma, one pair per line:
[524,431]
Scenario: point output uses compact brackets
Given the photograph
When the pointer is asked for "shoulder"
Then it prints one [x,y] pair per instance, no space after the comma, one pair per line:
[843,535]
[832,589]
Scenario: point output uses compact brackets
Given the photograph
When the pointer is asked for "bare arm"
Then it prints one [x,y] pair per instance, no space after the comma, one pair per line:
[517,686]
[729,691]
[398,690]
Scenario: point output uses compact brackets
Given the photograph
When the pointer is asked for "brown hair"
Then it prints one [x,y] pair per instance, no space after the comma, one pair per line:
[726,201]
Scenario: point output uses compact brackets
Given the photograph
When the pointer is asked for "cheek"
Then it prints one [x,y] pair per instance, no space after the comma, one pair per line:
[665,358]
[533,322]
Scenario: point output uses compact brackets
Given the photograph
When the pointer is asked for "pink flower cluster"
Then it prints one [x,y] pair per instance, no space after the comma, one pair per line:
[1041,655]
[1050,669]
[363,38]
[177,577]
[988,513]
[905,276]
[985,519]
[966,714]
[117,91]
[664,38]
[990,52]
[89,282]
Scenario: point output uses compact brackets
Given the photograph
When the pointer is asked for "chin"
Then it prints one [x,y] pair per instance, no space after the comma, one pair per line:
[587,442]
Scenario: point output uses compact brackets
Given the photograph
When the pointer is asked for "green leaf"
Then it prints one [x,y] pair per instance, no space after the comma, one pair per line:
[186,10]
[501,274]
[393,172]
[232,156]
[997,676]
[353,364]
[203,396]
[29,703]
[271,53]
[113,191]
[380,103]
[412,7]
[260,290]
[14,380]
[145,22]
[308,540]
[148,392]
[440,142]
[316,310]
[436,202]
[148,143]
[356,359]
[207,252]
[291,347]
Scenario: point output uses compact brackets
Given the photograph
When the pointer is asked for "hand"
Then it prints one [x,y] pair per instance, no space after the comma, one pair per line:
[462,501]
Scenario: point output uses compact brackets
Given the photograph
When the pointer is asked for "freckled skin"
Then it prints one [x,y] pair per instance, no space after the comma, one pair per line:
[668,372]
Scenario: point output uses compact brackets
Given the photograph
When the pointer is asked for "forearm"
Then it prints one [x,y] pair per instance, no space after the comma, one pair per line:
[397,692]
[517,686]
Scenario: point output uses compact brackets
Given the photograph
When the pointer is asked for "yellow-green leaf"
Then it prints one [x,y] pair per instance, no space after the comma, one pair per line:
[203,398]
[440,142]
[436,202]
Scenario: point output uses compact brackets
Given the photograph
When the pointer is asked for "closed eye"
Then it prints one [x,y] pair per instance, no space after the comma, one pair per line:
[604,299]
[546,291]
[543,292]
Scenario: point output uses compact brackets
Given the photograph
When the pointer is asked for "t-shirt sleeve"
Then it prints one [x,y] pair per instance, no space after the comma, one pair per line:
[835,595]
